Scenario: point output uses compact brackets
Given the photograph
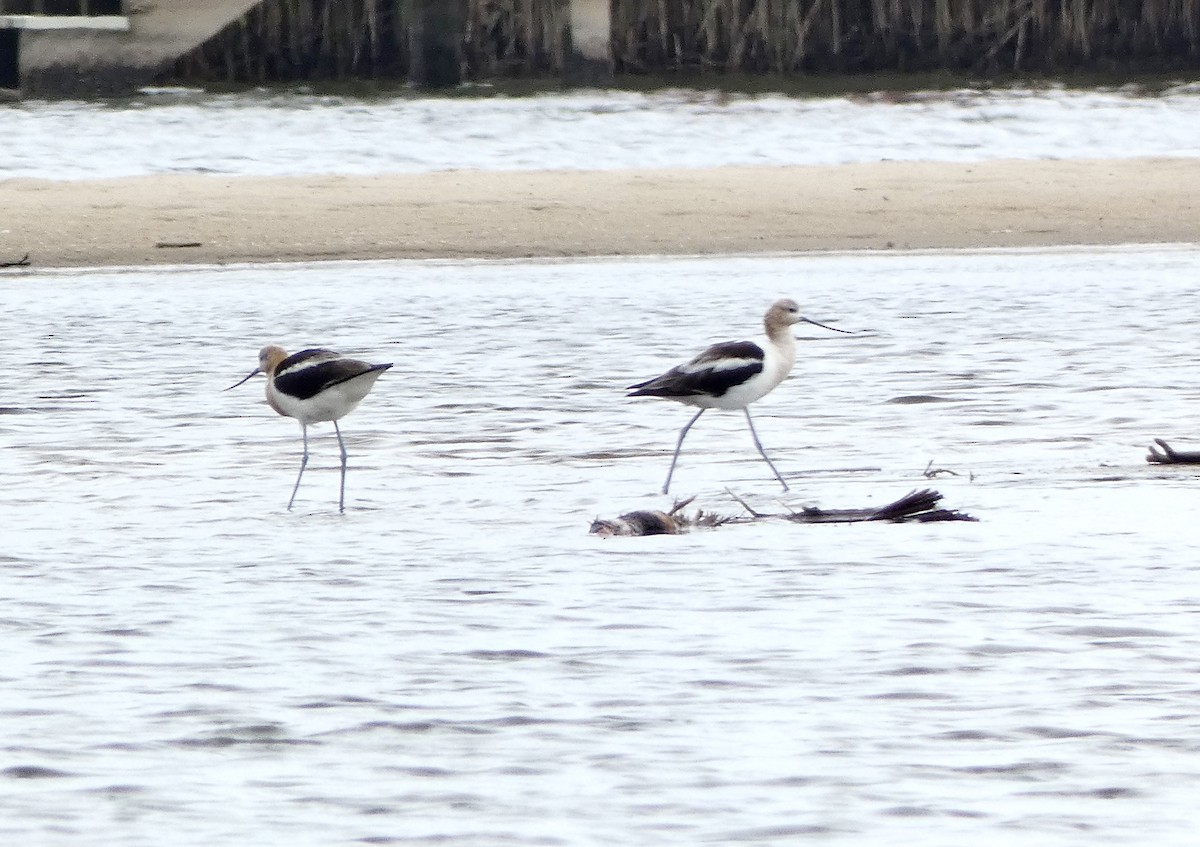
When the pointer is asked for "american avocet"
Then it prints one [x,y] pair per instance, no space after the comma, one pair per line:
[732,375]
[314,386]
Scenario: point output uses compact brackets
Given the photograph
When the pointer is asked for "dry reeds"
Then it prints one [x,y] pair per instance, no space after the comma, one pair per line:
[373,39]
[847,36]
[287,40]
[284,40]
[513,38]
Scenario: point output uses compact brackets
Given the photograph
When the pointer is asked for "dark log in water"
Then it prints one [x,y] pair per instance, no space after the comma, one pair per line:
[914,507]
[1170,456]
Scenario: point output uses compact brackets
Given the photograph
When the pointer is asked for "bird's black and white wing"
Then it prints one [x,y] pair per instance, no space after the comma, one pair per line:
[712,373]
[306,374]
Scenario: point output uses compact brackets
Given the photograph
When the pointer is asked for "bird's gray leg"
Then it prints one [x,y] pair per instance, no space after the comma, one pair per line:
[678,445]
[303,462]
[763,452]
[342,492]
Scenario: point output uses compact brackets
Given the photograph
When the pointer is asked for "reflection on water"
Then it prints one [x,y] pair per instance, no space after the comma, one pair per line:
[455,660]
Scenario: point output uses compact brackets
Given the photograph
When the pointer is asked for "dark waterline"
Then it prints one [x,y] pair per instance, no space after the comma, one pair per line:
[815,85]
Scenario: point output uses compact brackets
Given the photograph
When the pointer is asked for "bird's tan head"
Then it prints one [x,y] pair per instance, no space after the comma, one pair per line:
[783,313]
[270,357]
[786,310]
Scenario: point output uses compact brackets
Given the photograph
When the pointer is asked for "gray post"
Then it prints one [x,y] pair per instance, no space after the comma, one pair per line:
[587,53]
[435,32]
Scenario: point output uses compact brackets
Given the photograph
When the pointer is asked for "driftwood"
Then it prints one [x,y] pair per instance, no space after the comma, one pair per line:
[914,507]
[1170,456]
[22,262]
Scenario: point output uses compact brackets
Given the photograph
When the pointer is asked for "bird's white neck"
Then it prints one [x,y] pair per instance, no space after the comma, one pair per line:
[783,338]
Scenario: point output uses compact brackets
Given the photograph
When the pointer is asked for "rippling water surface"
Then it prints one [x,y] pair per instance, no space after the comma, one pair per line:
[456,661]
[273,133]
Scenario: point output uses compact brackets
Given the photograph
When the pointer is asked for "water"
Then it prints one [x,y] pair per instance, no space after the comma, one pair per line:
[456,661]
[273,133]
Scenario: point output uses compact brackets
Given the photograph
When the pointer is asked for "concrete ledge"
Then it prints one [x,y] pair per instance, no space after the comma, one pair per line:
[89,55]
[105,23]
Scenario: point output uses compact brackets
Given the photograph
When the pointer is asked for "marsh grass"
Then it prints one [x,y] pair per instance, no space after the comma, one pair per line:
[288,40]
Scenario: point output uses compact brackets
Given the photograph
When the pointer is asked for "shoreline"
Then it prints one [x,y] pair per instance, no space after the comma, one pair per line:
[178,219]
[6,265]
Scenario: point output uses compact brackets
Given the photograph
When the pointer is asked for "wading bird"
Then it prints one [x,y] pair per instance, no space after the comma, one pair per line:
[314,386]
[732,375]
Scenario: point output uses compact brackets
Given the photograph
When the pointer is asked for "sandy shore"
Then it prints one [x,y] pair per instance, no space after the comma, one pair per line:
[146,220]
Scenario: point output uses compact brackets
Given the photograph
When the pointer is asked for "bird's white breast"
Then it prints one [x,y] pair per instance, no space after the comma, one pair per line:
[778,358]
[330,404]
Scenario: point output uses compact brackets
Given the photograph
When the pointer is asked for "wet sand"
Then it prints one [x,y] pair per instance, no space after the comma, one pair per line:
[475,214]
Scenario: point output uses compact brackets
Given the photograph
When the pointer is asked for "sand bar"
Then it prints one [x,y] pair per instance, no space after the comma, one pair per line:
[477,214]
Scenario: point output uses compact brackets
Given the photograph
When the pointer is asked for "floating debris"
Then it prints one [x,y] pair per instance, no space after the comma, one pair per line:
[1170,456]
[642,522]
[655,522]
[915,507]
